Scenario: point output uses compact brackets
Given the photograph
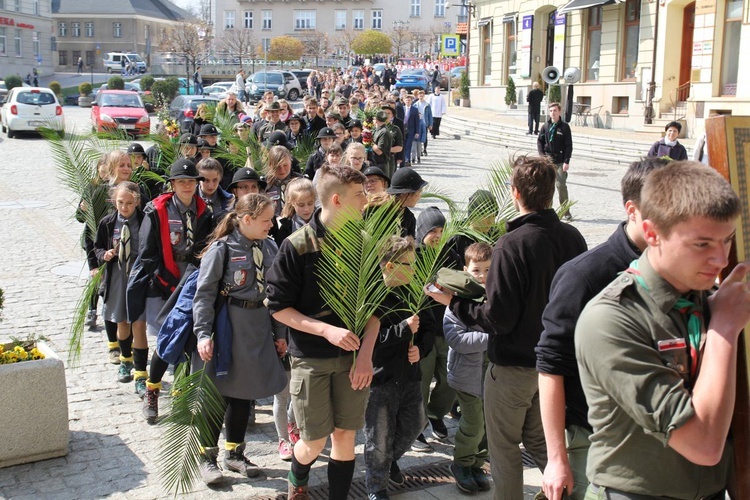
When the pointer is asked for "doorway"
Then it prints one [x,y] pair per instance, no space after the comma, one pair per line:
[549,55]
[686,56]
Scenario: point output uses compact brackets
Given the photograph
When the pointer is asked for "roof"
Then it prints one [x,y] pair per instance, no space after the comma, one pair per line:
[158,9]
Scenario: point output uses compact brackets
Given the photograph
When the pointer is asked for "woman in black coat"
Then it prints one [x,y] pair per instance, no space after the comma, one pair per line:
[668,145]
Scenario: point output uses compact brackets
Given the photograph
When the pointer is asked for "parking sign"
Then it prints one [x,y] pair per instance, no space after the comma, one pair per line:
[449,45]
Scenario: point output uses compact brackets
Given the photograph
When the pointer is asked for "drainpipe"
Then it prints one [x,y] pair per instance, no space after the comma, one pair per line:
[649,118]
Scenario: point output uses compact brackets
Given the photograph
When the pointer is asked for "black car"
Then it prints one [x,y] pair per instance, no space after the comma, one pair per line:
[183,107]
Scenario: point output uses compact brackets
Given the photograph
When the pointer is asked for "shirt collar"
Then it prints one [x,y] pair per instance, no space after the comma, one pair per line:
[663,294]
[181,207]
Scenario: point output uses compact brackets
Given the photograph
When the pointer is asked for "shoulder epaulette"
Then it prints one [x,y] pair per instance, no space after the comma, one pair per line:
[615,289]
[304,240]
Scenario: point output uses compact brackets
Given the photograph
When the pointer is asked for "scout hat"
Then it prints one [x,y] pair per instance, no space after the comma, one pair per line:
[188,139]
[406,180]
[274,106]
[390,106]
[294,117]
[481,203]
[184,169]
[326,132]
[354,124]
[247,174]
[342,101]
[136,149]
[277,138]
[381,116]
[379,172]
[429,219]
[203,144]
[208,129]
[459,283]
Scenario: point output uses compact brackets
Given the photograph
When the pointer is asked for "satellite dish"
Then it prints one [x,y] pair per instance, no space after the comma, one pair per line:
[550,75]
[572,75]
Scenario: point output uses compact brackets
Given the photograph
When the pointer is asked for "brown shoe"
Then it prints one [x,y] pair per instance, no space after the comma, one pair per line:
[297,492]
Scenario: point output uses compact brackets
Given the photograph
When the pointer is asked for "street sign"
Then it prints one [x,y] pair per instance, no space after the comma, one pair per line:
[449,45]
[38,59]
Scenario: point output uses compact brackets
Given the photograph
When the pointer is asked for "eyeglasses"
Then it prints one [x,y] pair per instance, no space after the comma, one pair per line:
[358,158]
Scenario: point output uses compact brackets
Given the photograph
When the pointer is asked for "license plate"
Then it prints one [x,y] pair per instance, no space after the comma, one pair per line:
[127,127]
[36,123]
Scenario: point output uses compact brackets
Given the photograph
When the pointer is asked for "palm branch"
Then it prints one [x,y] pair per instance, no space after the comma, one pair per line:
[304,148]
[367,114]
[75,343]
[351,281]
[168,152]
[197,407]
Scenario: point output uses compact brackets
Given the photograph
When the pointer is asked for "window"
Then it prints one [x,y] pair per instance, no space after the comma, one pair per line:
[304,19]
[632,32]
[35,43]
[340,19]
[117,30]
[2,4]
[36,7]
[75,55]
[267,16]
[16,5]
[511,55]
[359,19]
[63,57]
[75,29]
[89,58]
[2,41]
[485,32]
[248,20]
[19,47]
[229,19]
[416,8]
[62,29]
[439,8]
[377,20]
[594,43]
[89,30]
[729,61]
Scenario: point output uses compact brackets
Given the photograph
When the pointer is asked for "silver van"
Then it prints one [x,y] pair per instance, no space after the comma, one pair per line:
[113,61]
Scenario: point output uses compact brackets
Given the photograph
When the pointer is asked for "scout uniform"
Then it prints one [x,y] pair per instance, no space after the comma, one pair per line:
[383,140]
[634,356]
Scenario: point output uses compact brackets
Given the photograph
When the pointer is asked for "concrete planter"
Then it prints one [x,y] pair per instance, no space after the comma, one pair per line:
[465,103]
[85,101]
[34,423]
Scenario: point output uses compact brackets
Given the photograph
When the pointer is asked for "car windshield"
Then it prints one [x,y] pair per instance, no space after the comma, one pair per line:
[135,58]
[412,72]
[270,78]
[35,98]
[121,101]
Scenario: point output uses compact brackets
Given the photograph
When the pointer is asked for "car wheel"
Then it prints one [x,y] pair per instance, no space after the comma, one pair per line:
[2,125]
[11,134]
[293,95]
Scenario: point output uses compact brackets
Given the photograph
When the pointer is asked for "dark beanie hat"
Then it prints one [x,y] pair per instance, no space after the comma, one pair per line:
[429,219]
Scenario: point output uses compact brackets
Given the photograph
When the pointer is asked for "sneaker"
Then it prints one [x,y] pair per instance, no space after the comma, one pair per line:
[114,356]
[420,445]
[480,477]
[140,387]
[293,431]
[151,405]
[285,450]
[124,373]
[439,430]
[235,460]
[464,478]
[91,319]
[209,469]
[380,495]
[396,476]
[568,216]
[297,492]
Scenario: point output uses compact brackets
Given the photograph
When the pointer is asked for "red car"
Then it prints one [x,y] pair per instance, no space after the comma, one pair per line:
[123,110]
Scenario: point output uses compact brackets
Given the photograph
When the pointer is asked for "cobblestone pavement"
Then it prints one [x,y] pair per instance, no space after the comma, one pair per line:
[113,452]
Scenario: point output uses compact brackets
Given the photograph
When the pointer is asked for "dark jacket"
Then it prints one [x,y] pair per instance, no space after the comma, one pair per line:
[524,261]
[575,284]
[155,272]
[560,146]
[534,98]
[313,126]
[659,149]
[314,162]
[412,126]
[103,243]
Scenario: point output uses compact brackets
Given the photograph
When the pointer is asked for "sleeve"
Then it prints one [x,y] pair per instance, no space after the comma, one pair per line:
[698,151]
[101,244]
[541,140]
[145,265]
[652,152]
[568,144]
[310,167]
[616,358]
[425,337]
[683,153]
[460,338]
[207,289]
[284,279]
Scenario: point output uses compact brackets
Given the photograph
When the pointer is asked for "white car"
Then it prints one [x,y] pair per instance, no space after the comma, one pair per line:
[26,109]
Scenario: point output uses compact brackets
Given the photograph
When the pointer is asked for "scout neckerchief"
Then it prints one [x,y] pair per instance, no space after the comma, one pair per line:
[258,261]
[552,129]
[189,238]
[123,254]
[687,308]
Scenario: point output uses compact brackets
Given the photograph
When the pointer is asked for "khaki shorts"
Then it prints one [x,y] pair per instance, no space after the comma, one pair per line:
[323,398]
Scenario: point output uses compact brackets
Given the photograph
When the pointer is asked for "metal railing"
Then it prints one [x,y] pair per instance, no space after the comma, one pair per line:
[677,96]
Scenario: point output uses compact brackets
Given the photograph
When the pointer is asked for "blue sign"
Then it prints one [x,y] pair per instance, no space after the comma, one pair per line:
[38,59]
[449,45]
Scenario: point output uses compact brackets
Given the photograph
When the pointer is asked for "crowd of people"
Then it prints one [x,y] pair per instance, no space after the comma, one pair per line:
[598,362]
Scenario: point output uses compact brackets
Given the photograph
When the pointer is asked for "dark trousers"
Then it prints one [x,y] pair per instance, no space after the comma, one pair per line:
[393,420]
[436,127]
[534,121]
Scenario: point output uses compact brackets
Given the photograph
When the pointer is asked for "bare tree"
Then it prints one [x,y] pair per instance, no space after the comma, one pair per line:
[401,37]
[316,45]
[435,32]
[239,43]
[188,39]
[344,40]
[419,38]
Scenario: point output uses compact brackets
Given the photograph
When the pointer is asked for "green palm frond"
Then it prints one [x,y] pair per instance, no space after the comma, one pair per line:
[235,160]
[197,407]
[223,121]
[366,115]
[256,153]
[438,193]
[351,281]
[305,147]
[75,344]
[169,150]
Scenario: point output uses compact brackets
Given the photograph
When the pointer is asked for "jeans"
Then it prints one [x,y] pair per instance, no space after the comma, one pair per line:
[440,400]
[511,409]
[471,439]
[393,420]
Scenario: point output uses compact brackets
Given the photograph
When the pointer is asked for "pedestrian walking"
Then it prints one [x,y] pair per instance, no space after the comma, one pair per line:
[534,98]
[556,142]
[80,65]
[198,81]
[439,108]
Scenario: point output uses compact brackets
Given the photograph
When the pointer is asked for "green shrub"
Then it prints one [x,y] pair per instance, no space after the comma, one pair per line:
[510,92]
[464,87]
[85,88]
[147,82]
[56,88]
[116,83]
[13,81]
[165,90]
[555,95]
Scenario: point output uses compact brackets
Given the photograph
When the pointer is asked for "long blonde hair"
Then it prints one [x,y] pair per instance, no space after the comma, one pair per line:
[295,190]
[113,161]
[274,156]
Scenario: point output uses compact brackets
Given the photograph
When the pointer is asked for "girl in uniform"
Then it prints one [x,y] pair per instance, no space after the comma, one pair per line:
[298,210]
[116,247]
[235,264]
[278,176]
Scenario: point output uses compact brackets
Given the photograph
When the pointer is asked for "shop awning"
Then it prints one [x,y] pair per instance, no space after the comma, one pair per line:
[583,4]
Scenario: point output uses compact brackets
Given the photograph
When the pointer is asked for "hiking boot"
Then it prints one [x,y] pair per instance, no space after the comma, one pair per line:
[293,431]
[209,469]
[395,475]
[420,445]
[439,430]
[114,356]
[140,387]
[464,478]
[285,450]
[91,319]
[480,477]
[124,373]
[235,460]
[380,495]
[297,492]
[151,405]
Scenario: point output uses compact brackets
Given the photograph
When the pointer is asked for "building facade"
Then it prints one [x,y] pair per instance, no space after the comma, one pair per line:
[91,29]
[25,37]
[689,51]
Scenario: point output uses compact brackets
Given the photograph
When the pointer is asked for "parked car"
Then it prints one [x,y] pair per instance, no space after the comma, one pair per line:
[72,99]
[30,108]
[456,72]
[113,61]
[186,86]
[413,78]
[4,89]
[114,110]
[302,75]
[182,109]
[282,83]
[215,91]
[378,69]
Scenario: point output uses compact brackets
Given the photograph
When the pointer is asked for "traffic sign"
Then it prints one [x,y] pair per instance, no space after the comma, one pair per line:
[449,45]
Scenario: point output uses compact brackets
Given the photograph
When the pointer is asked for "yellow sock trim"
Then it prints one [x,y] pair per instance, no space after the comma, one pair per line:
[113,345]
[139,375]
[123,359]
[231,446]
[151,386]
[202,450]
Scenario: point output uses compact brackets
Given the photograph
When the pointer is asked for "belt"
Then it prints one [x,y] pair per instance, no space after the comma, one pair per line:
[245,304]
[613,494]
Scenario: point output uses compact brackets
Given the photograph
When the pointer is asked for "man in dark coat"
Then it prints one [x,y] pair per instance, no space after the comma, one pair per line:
[534,98]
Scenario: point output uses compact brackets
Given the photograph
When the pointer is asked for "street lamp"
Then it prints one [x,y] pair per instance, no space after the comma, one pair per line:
[471,10]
